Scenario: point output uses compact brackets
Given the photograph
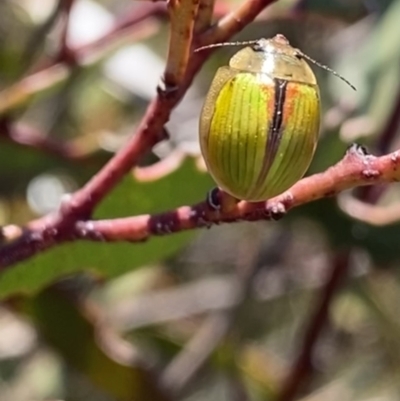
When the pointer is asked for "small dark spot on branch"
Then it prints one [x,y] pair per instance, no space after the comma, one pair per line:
[164,224]
[330,193]
[166,89]
[68,56]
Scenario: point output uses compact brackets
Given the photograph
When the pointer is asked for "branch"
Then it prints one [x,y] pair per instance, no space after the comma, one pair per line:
[125,25]
[356,169]
[369,213]
[182,370]
[25,135]
[204,15]
[183,16]
[65,53]
[303,365]
[383,145]
[37,39]
[161,168]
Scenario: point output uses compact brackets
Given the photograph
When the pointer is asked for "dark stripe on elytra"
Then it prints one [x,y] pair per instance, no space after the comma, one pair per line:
[274,134]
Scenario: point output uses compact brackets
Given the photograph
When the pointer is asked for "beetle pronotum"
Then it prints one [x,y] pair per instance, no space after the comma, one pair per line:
[260,121]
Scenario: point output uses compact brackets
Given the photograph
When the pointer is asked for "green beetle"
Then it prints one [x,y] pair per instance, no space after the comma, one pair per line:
[260,122]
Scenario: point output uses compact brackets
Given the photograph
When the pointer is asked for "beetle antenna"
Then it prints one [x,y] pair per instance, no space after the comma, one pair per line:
[223,44]
[300,54]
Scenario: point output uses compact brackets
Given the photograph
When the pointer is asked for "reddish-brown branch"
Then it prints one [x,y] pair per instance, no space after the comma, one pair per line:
[303,365]
[26,135]
[368,213]
[65,54]
[182,16]
[160,169]
[204,15]
[356,169]
[148,134]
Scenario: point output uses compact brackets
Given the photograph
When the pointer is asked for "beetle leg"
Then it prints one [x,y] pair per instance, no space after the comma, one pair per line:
[221,201]
[213,201]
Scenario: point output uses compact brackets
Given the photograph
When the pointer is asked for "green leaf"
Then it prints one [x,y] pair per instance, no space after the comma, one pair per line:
[186,185]
[66,328]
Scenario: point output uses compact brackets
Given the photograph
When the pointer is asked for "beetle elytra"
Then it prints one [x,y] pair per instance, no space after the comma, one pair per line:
[260,122]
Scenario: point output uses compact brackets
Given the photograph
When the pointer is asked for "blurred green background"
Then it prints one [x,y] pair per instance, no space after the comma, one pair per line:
[218,314]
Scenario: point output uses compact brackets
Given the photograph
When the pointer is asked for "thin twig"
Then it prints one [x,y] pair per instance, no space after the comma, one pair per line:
[65,54]
[384,142]
[160,169]
[187,364]
[303,366]
[183,16]
[58,70]
[26,135]
[25,88]
[369,213]
[204,16]
[37,39]
[125,24]
[191,359]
